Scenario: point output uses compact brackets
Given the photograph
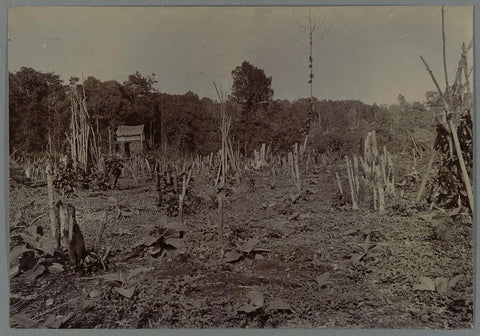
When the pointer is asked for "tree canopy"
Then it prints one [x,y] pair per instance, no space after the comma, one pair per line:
[40,112]
[251,87]
[251,91]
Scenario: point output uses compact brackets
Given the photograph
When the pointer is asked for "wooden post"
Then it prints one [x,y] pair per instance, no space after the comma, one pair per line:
[189,176]
[390,175]
[51,202]
[224,127]
[461,161]
[355,173]
[339,184]
[181,198]
[304,147]
[98,239]
[59,220]
[218,175]
[235,161]
[374,169]
[383,168]
[367,156]
[175,184]
[65,229]
[220,219]
[381,200]
[149,169]
[297,171]
[109,141]
[385,163]
[414,159]
[290,163]
[160,183]
[351,183]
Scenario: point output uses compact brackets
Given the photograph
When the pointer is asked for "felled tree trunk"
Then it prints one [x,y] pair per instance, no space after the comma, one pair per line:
[68,233]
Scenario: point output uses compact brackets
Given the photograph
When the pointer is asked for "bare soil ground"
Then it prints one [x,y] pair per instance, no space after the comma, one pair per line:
[290,260]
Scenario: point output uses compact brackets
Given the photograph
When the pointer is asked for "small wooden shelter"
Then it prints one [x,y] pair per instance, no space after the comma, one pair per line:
[129,140]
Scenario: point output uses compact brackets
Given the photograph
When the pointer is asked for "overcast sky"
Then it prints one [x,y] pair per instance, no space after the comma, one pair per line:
[370,53]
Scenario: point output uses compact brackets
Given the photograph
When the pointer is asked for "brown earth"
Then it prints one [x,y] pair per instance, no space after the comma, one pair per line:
[298,267]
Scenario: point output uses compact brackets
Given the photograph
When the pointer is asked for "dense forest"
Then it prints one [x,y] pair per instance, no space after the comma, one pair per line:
[40,113]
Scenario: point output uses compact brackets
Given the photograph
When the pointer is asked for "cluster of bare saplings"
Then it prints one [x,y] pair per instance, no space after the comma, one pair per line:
[370,174]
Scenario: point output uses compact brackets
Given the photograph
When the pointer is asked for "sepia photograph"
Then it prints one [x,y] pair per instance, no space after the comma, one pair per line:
[240,167]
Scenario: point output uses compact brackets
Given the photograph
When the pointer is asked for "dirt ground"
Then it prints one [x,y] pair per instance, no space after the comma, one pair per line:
[289,261]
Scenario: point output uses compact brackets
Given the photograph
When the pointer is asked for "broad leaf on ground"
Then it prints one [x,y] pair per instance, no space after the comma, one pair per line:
[34,273]
[247,308]
[48,245]
[356,257]
[231,257]
[256,298]
[137,271]
[441,284]
[25,321]
[425,284]
[323,279]
[453,282]
[278,304]
[55,268]
[127,292]
[17,251]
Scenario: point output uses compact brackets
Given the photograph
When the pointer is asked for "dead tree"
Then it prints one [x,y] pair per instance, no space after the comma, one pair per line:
[378,171]
[68,233]
[83,143]
[316,29]
[453,110]
[224,155]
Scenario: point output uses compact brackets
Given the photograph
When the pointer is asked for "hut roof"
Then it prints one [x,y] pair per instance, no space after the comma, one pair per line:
[123,131]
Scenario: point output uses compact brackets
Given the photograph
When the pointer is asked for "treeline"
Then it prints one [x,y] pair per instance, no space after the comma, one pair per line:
[40,112]
[40,116]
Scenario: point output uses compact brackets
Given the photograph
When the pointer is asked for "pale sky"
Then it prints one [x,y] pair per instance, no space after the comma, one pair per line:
[370,53]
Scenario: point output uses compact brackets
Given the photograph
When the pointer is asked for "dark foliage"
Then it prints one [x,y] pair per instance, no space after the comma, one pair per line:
[449,179]
[169,187]
[185,124]
[252,91]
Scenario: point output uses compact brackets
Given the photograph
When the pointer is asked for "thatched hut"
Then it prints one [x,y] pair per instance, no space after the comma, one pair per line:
[129,140]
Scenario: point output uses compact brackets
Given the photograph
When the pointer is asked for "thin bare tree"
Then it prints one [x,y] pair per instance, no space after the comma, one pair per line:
[316,28]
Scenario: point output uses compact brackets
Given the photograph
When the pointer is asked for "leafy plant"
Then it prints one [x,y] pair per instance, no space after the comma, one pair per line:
[323,279]
[441,285]
[33,257]
[109,178]
[163,240]
[361,250]
[122,282]
[256,303]
[169,191]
